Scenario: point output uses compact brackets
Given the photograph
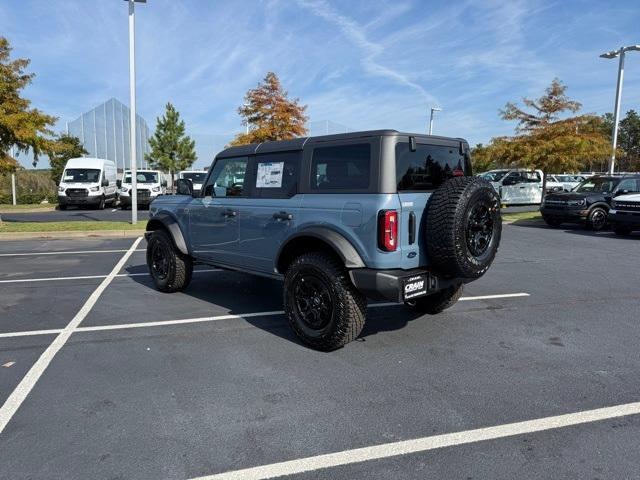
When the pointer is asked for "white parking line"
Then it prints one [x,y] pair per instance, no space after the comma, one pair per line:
[89,277]
[183,321]
[394,449]
[27,383]
[77,252]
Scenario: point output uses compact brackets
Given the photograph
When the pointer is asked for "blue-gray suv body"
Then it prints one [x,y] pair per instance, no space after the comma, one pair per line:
[377,214]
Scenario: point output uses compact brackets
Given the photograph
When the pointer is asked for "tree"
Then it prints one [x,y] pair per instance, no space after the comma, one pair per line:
[171,149]
[482,158]
[270,114]
[65,147]
[21,126]
[547,141]
[628,154]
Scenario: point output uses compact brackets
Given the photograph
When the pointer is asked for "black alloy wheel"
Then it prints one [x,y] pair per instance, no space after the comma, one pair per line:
[598,219]
[160,260]
[479,229]
[313,301]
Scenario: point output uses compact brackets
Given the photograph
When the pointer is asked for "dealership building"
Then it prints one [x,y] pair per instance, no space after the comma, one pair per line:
[104,132]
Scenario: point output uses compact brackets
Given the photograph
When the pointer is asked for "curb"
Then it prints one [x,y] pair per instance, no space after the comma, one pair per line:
[65,235]
[27,210]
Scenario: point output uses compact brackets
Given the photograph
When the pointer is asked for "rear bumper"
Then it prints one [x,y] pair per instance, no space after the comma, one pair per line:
[628,219]
[398,285]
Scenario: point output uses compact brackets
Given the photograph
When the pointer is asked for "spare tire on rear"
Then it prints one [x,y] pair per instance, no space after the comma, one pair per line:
[463,227]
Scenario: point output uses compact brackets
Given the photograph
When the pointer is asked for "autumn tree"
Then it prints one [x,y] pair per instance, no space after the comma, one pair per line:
[270,114]
[65,147]
[544,139]
[628,155]
[171,149]
[21,126]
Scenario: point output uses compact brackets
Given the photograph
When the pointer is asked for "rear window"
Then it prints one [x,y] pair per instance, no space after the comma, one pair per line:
[345,167]
[428,167]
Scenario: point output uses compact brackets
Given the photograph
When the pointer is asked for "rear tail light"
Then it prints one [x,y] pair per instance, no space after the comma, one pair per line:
[388,230]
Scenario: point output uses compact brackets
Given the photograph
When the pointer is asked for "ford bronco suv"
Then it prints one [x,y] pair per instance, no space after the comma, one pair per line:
[343,218]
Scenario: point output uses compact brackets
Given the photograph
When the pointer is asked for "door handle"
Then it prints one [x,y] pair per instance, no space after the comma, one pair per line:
[282,216]
[229,213]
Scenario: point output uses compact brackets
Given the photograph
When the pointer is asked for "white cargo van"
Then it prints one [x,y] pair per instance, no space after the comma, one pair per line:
[197,178]
[519,185]
[150,185]
[87,181]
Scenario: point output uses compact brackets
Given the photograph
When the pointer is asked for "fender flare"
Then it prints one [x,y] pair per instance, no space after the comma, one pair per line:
[173,227]
[604,205]
[343,247]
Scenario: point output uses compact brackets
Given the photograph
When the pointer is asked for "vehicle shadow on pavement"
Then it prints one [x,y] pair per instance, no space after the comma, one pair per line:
[240,293]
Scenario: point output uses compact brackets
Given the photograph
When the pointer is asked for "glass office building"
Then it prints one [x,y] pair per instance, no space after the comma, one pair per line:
[104,132]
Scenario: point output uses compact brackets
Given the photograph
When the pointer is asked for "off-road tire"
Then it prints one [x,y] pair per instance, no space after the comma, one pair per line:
[594,221]
[437,302]
[179,266]
[349,306]
[552,222]
[622,230]
[448,220]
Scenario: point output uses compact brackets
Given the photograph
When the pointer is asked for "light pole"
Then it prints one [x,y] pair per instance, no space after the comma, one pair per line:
[132,109]
[433,109]
[616,112]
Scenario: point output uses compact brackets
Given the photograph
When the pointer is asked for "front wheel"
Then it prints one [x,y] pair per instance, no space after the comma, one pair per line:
[170,269]
[101,203]
[437,302]
[322,306]
[597,219]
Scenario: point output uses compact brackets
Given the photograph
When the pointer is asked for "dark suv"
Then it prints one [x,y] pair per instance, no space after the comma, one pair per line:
[341,218]
[589,203]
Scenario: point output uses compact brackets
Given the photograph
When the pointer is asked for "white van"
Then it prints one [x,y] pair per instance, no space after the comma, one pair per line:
[150,185]
[197,178]
[87,181]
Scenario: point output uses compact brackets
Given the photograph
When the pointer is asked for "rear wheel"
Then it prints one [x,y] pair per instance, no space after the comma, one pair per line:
[170,269]
[322,306]
[437,302]
[597,219]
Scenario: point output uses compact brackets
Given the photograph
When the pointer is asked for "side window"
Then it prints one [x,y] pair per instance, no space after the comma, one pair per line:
[428,167]
[513,178]
[628,184]
[276,174]
[227,178]
[346,167]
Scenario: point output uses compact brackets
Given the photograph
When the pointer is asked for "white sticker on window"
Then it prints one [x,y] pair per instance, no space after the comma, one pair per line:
[269,175]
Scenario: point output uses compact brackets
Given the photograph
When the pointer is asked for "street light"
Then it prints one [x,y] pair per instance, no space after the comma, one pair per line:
[616,113]
[132,109]
[433,109]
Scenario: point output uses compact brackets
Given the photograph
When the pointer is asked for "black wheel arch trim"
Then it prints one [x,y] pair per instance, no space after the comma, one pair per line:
[343,247]
[172,226]
[603,205]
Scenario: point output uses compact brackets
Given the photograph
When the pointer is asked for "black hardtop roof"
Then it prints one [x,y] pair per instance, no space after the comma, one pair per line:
[299,143]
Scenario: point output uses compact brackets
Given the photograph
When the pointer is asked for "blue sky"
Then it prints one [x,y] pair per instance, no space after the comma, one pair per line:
[365,64]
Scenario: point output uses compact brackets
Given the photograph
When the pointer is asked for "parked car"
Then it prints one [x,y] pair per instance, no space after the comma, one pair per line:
[87,181]
[197,177]
[341,218]
[150,185]
[589,203]
[625,212]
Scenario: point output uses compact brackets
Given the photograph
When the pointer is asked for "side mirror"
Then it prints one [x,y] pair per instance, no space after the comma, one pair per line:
[184,186]
[105,183]
[119,183]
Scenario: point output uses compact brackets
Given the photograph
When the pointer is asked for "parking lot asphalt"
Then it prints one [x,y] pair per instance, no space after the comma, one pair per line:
[212,381]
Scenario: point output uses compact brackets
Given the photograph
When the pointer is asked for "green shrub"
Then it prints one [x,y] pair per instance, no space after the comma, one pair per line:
[32,186]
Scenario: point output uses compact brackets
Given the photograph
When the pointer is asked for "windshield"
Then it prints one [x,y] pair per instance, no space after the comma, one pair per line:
[604,185]
[494,176]
[81,175]
[195,177]
[142,177]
